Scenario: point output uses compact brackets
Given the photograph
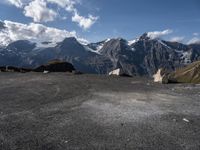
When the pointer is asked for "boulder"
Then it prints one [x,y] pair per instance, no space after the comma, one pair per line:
[119,72]
[161,76]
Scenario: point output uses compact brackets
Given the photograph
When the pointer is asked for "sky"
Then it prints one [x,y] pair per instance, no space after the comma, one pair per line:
[96,20]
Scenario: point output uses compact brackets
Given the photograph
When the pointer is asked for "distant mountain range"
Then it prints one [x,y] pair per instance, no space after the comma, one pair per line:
[143,56]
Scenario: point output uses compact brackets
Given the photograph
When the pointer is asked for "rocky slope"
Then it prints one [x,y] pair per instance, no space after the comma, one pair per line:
[189,74]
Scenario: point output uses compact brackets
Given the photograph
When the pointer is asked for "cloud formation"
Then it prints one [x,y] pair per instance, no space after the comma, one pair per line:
[159,34]
[40,11]
[196,34]
[17,3]
[177,39]
[194,40]
[84,22]
[34,32]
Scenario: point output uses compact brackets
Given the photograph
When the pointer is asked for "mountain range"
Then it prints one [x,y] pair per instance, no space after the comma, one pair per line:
[142,56]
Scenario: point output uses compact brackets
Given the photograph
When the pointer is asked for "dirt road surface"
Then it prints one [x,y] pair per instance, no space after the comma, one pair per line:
[59,111]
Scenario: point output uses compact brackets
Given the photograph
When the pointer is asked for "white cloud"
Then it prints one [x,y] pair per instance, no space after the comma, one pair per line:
[34,32]
[196,34]
[194,40]
[84,22]
[159,34]
[17,3]
[38,10]
[69,5]
[177,39]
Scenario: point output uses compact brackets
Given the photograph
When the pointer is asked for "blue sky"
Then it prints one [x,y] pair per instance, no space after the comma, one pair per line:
[115,18]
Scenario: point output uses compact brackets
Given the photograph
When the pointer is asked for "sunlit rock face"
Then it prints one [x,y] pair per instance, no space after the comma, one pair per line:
[116,72]
[162,76]
[158,77]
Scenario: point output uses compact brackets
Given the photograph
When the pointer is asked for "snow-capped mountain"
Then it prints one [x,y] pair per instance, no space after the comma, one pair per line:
[142,56]
[96,47]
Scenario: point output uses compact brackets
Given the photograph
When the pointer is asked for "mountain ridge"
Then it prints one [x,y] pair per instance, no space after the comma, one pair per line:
[142,56]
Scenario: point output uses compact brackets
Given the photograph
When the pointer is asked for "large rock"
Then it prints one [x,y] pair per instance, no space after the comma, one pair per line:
[119,72]
[56,66]
[161,76]
[158,77]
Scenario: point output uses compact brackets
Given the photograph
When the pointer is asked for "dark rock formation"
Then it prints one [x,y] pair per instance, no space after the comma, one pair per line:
[119,72]
[14,69]
[56,66]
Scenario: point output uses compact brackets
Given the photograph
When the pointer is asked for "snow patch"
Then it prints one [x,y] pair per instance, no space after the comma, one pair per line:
[186,57]
[161,42]
[99,47]
[132,41]
[41,45]
[133,49]
[92,50]
[107,40]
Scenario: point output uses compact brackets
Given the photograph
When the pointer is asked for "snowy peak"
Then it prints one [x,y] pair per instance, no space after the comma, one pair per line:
[96,47]
[21,45]
[70,40]
[144,37]
[114,46]
[131,42]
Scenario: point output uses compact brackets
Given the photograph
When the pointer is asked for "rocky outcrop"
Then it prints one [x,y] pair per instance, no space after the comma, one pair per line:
[118,72]
[56,66]
[161,76]
[14,69]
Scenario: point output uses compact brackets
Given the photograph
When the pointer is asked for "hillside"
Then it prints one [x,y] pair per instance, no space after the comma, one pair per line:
[189,74]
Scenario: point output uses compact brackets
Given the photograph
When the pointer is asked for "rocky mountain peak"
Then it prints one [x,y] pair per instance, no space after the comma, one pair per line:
[144,37]
[71,40]
[22,45]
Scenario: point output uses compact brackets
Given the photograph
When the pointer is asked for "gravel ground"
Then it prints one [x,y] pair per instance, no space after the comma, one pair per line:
[59,111]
